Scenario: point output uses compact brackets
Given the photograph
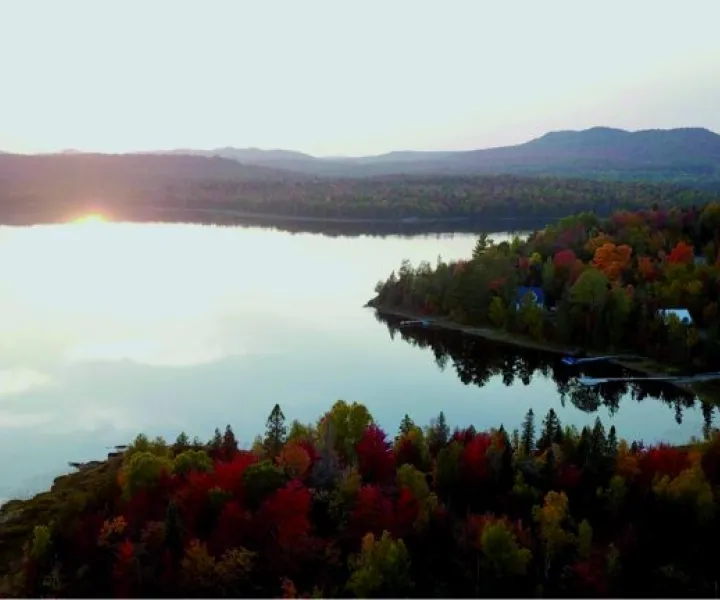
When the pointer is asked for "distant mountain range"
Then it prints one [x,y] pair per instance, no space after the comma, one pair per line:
[560,173]
[686,156]
[249,177]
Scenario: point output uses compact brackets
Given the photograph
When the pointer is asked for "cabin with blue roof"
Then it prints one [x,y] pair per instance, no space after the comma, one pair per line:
[537,295]
[682,314]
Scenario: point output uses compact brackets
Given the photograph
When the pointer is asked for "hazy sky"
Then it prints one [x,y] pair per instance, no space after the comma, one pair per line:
[346,77]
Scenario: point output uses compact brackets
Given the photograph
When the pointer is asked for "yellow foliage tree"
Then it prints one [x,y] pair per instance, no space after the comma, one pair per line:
[294,459]
[497,313]
[381,569]
[550,517]
[595,242]
[690,487]
[626,464]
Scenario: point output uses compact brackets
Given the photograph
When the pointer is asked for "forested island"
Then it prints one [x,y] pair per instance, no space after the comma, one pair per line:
[57,188]
[340,509]
[643,281]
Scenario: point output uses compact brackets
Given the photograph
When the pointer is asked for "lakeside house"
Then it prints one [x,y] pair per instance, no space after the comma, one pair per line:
[682,314]
[537,295]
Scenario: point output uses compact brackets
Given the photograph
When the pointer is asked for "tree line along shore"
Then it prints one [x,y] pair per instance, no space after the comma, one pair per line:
[140,188]
[645,282]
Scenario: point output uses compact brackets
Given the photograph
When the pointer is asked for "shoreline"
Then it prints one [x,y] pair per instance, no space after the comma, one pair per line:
[643,365]
[140,213]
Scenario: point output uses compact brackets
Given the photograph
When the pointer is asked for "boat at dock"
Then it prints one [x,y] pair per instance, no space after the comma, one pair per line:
[416,323]
[572,361]
[678,379]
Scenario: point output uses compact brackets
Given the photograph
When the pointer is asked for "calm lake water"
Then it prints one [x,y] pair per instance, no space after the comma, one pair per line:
[107,330]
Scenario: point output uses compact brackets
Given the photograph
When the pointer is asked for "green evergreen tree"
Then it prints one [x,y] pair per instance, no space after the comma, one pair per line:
[181,444]
[481,246]
[438,434]
[551,432]
[507,473]
[584,446]
[262,479]
[275,432]
[515,440]
[406,426]
[229,444]
[612,442]
[598,441]
[527,437]
[215,443]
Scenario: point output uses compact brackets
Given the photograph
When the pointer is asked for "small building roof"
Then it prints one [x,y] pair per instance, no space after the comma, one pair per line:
[537,294]
[683,314]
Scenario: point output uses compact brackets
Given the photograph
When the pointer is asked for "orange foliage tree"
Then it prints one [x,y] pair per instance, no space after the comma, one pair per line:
[612,259]
[682,253]
[294,459]
[647,268]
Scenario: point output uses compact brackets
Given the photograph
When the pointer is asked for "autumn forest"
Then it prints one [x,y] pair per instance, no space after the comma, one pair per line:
[339,508]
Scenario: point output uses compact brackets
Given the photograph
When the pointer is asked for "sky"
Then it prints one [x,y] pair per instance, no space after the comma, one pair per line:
[351,77]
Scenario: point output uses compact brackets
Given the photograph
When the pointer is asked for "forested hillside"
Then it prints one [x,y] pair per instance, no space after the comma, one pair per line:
[685,156]
[55,188]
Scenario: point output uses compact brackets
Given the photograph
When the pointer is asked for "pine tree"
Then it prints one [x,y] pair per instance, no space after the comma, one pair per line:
[552,430]
[438,434]
[229,444]
[481,246]
[406,426]
[507,473]
[515,440]
[443,429]
[584,445]
[527,437]
[215,443]
[612,442]
[182,443]
[598,442]
[275,432]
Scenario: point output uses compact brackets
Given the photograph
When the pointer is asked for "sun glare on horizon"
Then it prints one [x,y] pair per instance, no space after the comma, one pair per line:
[90,219]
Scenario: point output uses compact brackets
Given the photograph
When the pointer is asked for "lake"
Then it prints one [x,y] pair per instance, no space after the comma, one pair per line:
[110,329]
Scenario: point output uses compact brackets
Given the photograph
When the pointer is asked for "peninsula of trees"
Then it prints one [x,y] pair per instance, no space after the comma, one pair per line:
[602,284]
[339,509]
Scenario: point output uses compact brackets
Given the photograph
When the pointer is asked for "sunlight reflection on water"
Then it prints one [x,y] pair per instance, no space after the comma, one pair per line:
[107,329]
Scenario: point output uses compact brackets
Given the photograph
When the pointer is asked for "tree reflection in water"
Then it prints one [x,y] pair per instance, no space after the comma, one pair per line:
[476,361]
